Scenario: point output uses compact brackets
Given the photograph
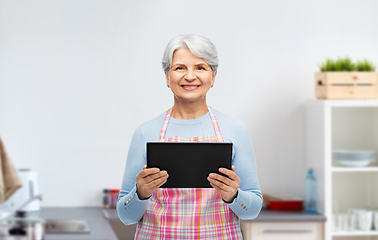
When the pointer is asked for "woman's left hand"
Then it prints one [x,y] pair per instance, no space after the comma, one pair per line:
[226,187]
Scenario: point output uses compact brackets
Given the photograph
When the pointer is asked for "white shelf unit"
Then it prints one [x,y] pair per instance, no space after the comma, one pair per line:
[355,234]
[360,169]
[342,124]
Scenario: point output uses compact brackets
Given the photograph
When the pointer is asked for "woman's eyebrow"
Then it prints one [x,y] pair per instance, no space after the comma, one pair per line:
[178,64]
[197,64]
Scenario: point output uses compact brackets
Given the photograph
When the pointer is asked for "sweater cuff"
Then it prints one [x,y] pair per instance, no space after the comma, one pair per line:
[240,204]
[133,199]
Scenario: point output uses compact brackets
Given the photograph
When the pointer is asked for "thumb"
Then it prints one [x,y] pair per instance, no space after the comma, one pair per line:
[233,168]
[144,167]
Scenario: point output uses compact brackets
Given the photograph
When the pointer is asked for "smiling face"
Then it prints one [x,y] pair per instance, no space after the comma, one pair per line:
[190,77]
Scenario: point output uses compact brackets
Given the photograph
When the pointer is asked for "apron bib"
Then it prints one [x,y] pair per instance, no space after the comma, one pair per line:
[188,213]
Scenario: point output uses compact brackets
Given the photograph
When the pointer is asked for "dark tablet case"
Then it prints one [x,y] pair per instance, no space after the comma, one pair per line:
[189,164]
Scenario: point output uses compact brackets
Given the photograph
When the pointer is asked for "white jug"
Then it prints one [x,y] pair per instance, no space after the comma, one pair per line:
[28,190]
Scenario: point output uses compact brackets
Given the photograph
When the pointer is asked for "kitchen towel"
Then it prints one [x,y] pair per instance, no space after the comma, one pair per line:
[10,180]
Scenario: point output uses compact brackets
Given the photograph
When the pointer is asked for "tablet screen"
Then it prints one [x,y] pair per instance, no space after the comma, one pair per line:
[188,164]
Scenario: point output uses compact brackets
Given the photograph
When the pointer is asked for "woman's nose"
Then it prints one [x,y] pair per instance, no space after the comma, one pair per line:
[190,75]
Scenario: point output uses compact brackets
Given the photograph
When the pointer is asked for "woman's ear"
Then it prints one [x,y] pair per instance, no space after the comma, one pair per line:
[213,77]
[166,78]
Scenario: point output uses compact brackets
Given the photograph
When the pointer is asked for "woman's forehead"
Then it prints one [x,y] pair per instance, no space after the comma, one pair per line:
[185,56]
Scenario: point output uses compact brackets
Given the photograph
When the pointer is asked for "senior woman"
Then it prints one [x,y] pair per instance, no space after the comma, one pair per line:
[190,65]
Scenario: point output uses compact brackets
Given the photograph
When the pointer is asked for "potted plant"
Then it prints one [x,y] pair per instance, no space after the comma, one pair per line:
[343,79]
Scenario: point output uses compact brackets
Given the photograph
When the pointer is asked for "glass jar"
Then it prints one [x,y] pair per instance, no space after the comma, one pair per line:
[113,197]
[106,198]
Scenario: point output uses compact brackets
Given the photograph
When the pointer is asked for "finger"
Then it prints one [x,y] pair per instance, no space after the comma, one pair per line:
[225,195]
[224,190]
[139,174]
[233,168]
[148,171]
[152,183]
[163,182]
[142,181]
[157,182]
[230,173]
[227,190]
[155,176]
[144,167]
[221,178]
[219,185]
[221,191]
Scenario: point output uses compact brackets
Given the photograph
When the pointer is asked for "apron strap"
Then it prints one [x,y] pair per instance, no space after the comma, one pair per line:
[215,125]
[165,125]
[213,120]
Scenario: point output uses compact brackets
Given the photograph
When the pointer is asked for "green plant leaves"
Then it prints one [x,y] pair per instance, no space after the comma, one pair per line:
[365,65]
[346,65]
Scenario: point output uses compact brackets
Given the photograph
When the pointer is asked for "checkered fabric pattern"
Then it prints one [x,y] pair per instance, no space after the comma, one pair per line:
[188,213]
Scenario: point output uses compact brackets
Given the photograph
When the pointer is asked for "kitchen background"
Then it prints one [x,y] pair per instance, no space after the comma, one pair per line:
[78,77]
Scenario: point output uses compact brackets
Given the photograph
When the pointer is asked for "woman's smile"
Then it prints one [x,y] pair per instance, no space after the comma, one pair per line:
[189,87]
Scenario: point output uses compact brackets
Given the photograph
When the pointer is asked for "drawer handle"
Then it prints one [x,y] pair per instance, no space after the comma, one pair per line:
[288,231]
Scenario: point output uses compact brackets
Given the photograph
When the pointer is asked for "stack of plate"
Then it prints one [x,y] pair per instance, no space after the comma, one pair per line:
[349,158]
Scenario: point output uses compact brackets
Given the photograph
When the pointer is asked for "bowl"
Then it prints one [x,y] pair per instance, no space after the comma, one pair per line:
[354,158]
[354,163]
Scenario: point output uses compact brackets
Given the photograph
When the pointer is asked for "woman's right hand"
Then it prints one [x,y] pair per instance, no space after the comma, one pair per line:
[148,180]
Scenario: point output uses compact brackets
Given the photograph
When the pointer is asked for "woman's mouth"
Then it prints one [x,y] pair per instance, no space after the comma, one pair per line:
[190,87]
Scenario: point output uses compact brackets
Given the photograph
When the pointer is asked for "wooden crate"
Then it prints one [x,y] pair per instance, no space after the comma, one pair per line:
[346,85]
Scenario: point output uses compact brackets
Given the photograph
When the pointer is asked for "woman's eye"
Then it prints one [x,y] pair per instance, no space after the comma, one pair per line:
[201,68]
[179,68]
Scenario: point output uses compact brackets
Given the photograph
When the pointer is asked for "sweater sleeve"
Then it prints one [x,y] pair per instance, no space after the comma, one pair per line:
[248,202]
[130,208]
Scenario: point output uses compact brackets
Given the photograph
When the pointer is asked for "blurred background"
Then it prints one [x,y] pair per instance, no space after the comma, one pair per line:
[78,77]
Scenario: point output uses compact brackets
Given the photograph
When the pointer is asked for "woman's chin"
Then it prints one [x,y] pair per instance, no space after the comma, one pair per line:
[191,99]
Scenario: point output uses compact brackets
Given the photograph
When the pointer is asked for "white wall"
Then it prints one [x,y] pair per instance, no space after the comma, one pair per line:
[77,77]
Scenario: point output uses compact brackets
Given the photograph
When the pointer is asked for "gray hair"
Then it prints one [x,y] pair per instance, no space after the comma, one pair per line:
[198,45]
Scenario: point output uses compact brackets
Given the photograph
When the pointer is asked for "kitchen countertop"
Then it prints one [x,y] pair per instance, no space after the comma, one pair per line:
[99,220]
[264,216]
[98,224]
[267,215]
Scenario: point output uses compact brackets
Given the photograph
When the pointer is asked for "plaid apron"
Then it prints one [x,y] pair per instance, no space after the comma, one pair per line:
[188,213]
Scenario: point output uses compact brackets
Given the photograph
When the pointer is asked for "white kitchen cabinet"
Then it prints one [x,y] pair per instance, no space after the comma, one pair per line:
[342,124]
[282,230]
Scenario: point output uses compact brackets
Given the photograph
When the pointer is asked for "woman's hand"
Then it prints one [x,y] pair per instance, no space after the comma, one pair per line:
[226,187]
[148,180]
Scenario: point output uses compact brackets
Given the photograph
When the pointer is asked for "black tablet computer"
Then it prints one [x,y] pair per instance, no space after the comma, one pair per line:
[188,164]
